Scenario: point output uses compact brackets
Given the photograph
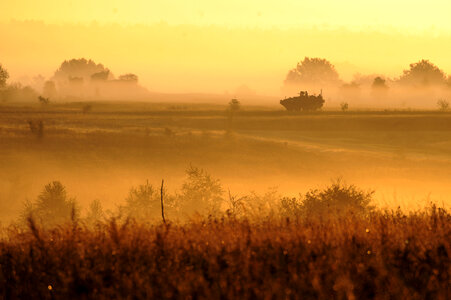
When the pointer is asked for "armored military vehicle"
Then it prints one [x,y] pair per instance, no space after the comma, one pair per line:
[303,102]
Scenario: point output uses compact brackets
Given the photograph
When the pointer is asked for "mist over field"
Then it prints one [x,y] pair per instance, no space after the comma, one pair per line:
[215,59]
[225,150]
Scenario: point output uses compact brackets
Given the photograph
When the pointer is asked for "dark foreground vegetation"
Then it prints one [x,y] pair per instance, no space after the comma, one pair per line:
[380,256]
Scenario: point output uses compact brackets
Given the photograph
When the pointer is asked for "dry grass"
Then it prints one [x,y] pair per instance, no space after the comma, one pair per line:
[385,255]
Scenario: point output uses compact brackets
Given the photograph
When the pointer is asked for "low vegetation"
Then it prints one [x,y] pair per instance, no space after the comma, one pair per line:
[329,243]
[383,255]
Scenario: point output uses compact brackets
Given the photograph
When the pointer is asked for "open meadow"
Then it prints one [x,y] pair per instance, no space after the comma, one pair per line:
[100,154]
[272,228]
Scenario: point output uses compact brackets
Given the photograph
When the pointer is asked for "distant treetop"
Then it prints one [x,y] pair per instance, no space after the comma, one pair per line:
[316,71]
[79,68]
[423,73]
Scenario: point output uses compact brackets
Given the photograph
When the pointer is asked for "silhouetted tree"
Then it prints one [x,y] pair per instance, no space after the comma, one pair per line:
[52,206]
[312,71]
[423,73]
[200,192]
[143,202]
[4,75]
[379,83]
[379,88]
[78,68]
[95,213]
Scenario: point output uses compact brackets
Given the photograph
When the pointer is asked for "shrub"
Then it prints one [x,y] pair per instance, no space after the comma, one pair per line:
[336,200]
[36,128]
[344,106]
[43,101]
[290,207]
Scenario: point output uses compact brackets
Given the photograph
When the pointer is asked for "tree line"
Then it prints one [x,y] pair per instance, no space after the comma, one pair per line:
[320,72]
[74,78]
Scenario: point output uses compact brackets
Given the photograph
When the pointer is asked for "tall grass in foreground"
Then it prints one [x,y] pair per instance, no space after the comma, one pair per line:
[382,255]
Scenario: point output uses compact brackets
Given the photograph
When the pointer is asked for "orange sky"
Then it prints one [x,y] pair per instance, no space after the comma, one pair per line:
[215,46]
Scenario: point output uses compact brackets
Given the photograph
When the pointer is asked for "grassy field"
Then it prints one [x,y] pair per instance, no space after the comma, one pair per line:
[266,249]
[404,155]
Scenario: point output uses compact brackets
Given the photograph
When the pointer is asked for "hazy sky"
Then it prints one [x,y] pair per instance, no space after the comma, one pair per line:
[172,46]
[413,14]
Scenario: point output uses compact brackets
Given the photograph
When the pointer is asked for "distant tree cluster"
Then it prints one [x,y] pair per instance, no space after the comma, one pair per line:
[316,73]
[79,69]
[75,78]
[15,91]
[81,78]
[320,72]
[423,73]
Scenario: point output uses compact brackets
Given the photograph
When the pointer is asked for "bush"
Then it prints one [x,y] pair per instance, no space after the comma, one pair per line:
[344,106]
[43,100]
[36,128]
[338,199]
[290,207]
